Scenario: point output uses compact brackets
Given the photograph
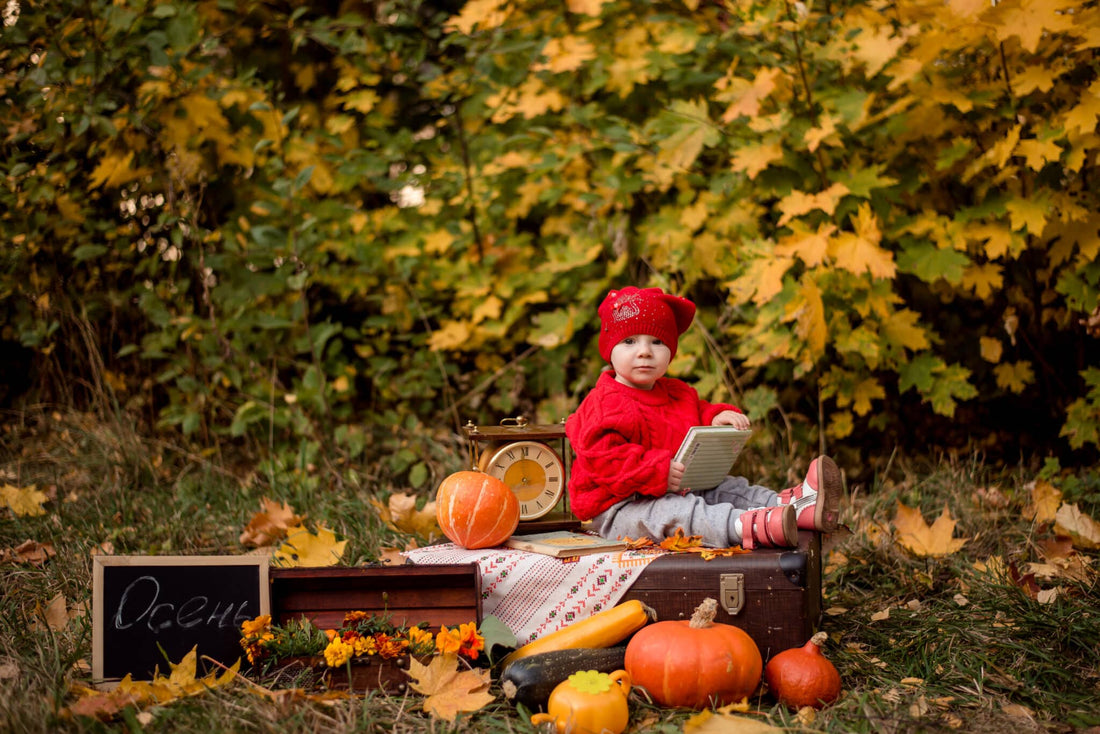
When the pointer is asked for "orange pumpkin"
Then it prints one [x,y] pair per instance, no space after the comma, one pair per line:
[694,663]
[803,676]
[476,510]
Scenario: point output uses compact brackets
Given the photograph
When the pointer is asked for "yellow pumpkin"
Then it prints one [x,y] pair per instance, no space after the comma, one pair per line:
[476,510]
[589,702]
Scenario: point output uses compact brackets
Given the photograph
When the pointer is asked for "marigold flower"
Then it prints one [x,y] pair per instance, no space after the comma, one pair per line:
[364,645]
[472,642]
[353,618]
[447,641]
[420,641]
[253,627]
[338,652]
[392,647]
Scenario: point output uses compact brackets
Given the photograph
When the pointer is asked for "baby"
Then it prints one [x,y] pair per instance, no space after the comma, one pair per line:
[627,429]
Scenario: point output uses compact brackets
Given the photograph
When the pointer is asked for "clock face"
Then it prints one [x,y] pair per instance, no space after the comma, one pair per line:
[534,472]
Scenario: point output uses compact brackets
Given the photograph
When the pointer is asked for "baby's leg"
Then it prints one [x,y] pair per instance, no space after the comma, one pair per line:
[738,492]
[658,518]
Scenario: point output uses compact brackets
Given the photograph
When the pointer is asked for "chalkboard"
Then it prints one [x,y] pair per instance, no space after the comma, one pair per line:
[149,610]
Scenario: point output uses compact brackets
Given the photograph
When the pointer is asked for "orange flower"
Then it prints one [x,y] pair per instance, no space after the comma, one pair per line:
[465,640]
[254,627]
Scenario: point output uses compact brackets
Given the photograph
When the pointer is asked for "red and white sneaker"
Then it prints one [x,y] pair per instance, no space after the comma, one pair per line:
[817,500]
[769,527]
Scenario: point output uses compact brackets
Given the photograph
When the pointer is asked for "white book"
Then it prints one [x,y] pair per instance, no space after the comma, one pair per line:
[708,452]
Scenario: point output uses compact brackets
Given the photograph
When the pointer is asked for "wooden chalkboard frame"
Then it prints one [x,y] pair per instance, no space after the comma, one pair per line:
[105,657]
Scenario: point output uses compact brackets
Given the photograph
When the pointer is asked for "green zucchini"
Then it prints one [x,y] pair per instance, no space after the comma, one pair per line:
[530,680]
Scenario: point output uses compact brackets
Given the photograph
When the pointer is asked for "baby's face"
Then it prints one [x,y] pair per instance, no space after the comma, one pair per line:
[640,360]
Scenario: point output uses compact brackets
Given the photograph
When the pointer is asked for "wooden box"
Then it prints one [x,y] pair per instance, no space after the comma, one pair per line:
[439,595]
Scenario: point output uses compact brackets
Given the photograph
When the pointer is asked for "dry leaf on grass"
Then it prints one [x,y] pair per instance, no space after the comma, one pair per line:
[1045,499]
[449,691]
[23,502]
[401,514]
[303,548]
[1078,527]
[709,722]
[29,551]
[270,524]
[922,539]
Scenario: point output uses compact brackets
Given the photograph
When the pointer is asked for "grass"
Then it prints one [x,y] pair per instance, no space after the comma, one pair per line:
[922,644]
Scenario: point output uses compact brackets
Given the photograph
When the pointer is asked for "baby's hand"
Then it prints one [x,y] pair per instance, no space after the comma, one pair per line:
[675,474]
[731,418]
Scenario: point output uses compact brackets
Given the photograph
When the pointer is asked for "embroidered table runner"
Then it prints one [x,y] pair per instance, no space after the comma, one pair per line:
[534,594]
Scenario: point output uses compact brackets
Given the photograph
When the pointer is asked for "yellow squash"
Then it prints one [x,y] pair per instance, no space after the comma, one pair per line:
[602,629]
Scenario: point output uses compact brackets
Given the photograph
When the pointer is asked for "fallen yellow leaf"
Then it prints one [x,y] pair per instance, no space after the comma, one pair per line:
[921,539]
[1045,499]
[448,690]
[303,548]
[24,502]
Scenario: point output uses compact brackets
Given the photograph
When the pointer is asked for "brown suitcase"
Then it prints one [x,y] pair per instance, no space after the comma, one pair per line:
[774,594]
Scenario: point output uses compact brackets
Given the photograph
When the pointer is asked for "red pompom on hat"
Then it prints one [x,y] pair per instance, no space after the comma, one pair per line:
[650,311]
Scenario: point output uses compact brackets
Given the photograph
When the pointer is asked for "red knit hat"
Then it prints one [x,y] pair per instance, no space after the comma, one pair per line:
[650,311]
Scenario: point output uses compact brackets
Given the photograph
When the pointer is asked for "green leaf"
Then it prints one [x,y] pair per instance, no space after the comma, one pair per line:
[951,385]
[930,263]
[919,373]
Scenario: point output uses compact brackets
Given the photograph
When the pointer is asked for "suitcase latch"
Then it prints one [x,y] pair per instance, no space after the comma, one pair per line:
[731,591]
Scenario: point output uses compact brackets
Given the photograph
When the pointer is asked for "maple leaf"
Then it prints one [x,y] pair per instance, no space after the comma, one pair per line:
[808,308]
[745,96]
[180,683]
[1027,19]
[809,246]
[29,551]
[586,7]
[448,690]
[721,721]
[817,135]
[921,539]
[270,524]
[693,132]
[400,513]
[451,335]
[682,543]
[983,279]
[482,14]
[901,328]
[1082,117]
[23,502]
[567,53]
[798,203]
[114,170]
[859,252]
[1014,376]
[303,548]
[763,280]
[1079,527]
[1030,212]
[877,47]
[752,159]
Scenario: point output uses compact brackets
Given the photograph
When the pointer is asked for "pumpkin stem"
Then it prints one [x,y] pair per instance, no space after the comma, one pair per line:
[818,640]
[704,614]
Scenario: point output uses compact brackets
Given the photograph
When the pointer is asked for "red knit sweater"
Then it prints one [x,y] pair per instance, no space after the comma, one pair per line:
[624,439]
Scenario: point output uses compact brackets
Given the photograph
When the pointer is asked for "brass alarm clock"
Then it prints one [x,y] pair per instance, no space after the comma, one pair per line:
[523,456]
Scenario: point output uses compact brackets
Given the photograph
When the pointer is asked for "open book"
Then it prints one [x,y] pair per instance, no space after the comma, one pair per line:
[708,452]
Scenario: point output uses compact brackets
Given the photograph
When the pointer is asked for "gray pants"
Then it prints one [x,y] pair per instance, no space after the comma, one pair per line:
[710,513]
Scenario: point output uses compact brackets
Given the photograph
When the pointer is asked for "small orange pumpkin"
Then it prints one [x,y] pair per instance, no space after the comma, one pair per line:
[694,663]
[803,676]
[476,510]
